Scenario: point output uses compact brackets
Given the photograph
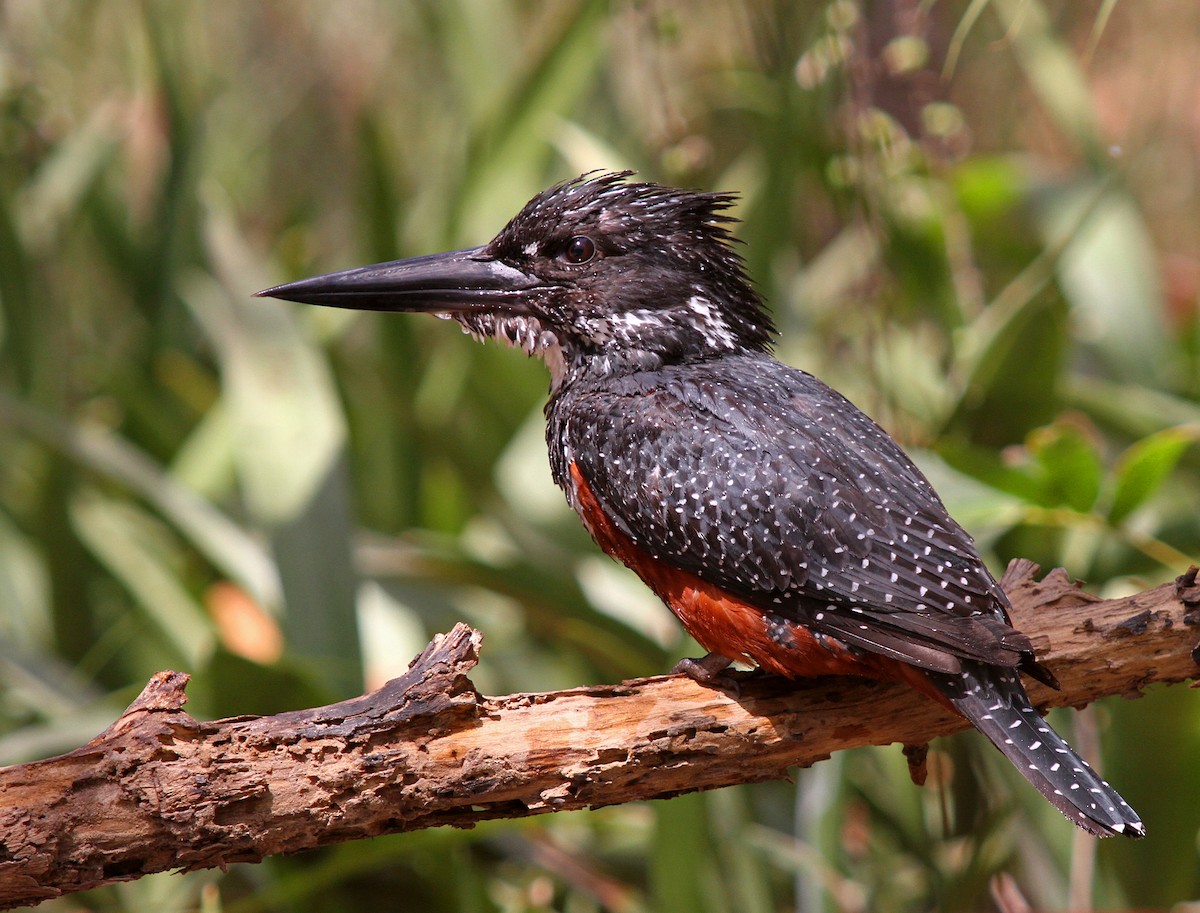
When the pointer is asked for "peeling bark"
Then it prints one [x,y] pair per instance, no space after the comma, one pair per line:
[159,790]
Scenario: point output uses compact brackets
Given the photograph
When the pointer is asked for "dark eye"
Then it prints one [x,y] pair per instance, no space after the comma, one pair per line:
[580,249]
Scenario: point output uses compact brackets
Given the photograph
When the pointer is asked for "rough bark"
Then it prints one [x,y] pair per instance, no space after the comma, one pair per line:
[159,790]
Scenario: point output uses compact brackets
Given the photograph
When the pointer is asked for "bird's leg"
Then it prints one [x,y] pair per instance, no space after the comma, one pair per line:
[709,670]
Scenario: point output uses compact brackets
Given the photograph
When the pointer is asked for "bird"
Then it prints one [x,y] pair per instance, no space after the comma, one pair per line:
[783,527]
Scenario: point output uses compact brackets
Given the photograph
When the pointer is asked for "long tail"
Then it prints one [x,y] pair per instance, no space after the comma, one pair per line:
[995,702]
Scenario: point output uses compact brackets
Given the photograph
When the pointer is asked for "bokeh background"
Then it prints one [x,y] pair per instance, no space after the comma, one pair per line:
[978,219]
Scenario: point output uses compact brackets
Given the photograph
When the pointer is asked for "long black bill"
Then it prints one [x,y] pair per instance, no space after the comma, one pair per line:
[461,280]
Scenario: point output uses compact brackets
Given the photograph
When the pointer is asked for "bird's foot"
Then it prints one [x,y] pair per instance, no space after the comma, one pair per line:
[710,670]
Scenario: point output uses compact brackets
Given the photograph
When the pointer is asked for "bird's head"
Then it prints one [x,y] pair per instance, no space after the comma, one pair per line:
[597,272]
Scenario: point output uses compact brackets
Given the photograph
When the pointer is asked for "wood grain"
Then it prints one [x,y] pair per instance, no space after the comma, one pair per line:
[159,790]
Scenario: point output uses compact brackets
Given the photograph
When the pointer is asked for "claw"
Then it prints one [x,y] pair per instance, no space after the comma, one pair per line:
[710,670]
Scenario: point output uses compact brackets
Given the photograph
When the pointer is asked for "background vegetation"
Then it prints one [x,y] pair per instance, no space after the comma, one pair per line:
[979,220]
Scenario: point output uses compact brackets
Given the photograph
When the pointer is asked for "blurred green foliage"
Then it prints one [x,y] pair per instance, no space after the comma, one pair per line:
[979,220]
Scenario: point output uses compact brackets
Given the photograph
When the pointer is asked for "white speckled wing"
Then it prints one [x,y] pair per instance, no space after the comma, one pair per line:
[762,480]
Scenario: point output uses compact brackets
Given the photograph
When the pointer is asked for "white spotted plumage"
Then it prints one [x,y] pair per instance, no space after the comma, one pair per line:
[709,468]
[686,447]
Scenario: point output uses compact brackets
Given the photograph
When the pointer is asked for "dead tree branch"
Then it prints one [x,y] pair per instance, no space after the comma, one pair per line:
[159,790]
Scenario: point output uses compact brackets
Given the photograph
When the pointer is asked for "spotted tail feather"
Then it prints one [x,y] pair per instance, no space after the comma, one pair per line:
[995,702]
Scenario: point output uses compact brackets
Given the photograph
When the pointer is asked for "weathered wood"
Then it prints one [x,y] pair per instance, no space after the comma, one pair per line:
[159,790]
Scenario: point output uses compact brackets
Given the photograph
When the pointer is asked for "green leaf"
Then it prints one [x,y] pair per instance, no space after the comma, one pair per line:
[1144,467]
[290,446]
[989,186]
[132,546]
[1050,66]
[1109,273]
[54,197]
[24,589]
[276,383]
[682,869]
[1070,465]
[226,544]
